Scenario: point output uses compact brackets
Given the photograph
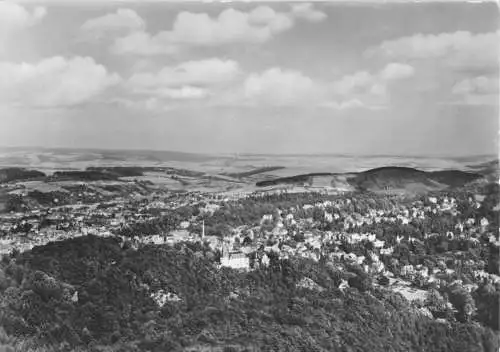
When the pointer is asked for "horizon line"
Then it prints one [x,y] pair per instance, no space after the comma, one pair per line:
[234,154]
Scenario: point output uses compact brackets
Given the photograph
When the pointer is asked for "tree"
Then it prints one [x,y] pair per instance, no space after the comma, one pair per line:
[361,281]
[383,280]
[463,302]
[299,237]
[436,303]
[487,299]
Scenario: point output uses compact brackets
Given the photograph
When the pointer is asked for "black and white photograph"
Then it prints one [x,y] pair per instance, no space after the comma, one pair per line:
[246,176]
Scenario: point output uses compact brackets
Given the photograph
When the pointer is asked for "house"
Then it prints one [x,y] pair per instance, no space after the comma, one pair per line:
[161,297]
[484,222]
[343,285]
[386,251]
[378,244]
[234,259]
[328,217]
[265,260]
[378,267]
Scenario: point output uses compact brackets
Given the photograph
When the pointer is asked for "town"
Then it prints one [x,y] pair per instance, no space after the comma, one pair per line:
[411,246]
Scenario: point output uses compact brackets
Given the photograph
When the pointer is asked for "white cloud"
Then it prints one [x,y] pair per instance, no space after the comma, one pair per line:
[329,2]
[14,16]
[363,82]
[378,89]
[152,104]
[53,82]
[281,87]
[194,73]
[229,27]
[397,71]
[355,83]
[123,20]
[461,49]
[306,11]
[369,90]
[278,87]
[221,83]
[343,105]
[182,93]
[479,90]
[216,82]
[142,43]
[190,80]
[475,100]
[481,85]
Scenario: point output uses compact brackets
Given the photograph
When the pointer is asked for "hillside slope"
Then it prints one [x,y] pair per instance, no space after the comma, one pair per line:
[383,178]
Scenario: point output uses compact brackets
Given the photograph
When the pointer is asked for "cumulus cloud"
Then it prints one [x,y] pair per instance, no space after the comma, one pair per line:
[478,85]
[143,43]
[356,83]
[53,82]
[190,80]
[363,82]
[307,12]
[200,29]
[230,26]
[181,93]
[332,2]
[222,83]
[190,73]
[14,16]
[461,49]
[370,90]
[123,20]
[343,105]
[479,90]
[152,104]
[280,87]
[397,71]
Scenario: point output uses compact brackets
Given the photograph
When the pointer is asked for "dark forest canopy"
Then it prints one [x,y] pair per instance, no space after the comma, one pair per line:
[263,309]
[19,174]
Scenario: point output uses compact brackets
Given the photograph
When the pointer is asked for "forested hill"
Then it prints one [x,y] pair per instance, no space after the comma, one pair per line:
[384,178]
[216,309]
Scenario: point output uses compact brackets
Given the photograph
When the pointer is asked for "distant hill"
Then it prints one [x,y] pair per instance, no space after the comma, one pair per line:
[67,157]
[18,174]
[380,179]
[489,169]
[252,172]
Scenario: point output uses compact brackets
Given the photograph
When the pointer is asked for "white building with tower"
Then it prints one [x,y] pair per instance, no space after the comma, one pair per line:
[234,259]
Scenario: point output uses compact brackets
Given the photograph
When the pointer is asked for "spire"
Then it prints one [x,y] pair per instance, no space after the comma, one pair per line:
[203,229]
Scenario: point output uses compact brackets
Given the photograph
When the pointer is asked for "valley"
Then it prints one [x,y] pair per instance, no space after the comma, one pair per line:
[248,244]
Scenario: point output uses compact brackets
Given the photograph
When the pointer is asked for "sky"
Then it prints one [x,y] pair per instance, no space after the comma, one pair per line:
[356,77]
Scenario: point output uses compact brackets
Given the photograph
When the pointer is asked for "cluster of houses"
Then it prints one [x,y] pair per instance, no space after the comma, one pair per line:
[37,227]
[286,226]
